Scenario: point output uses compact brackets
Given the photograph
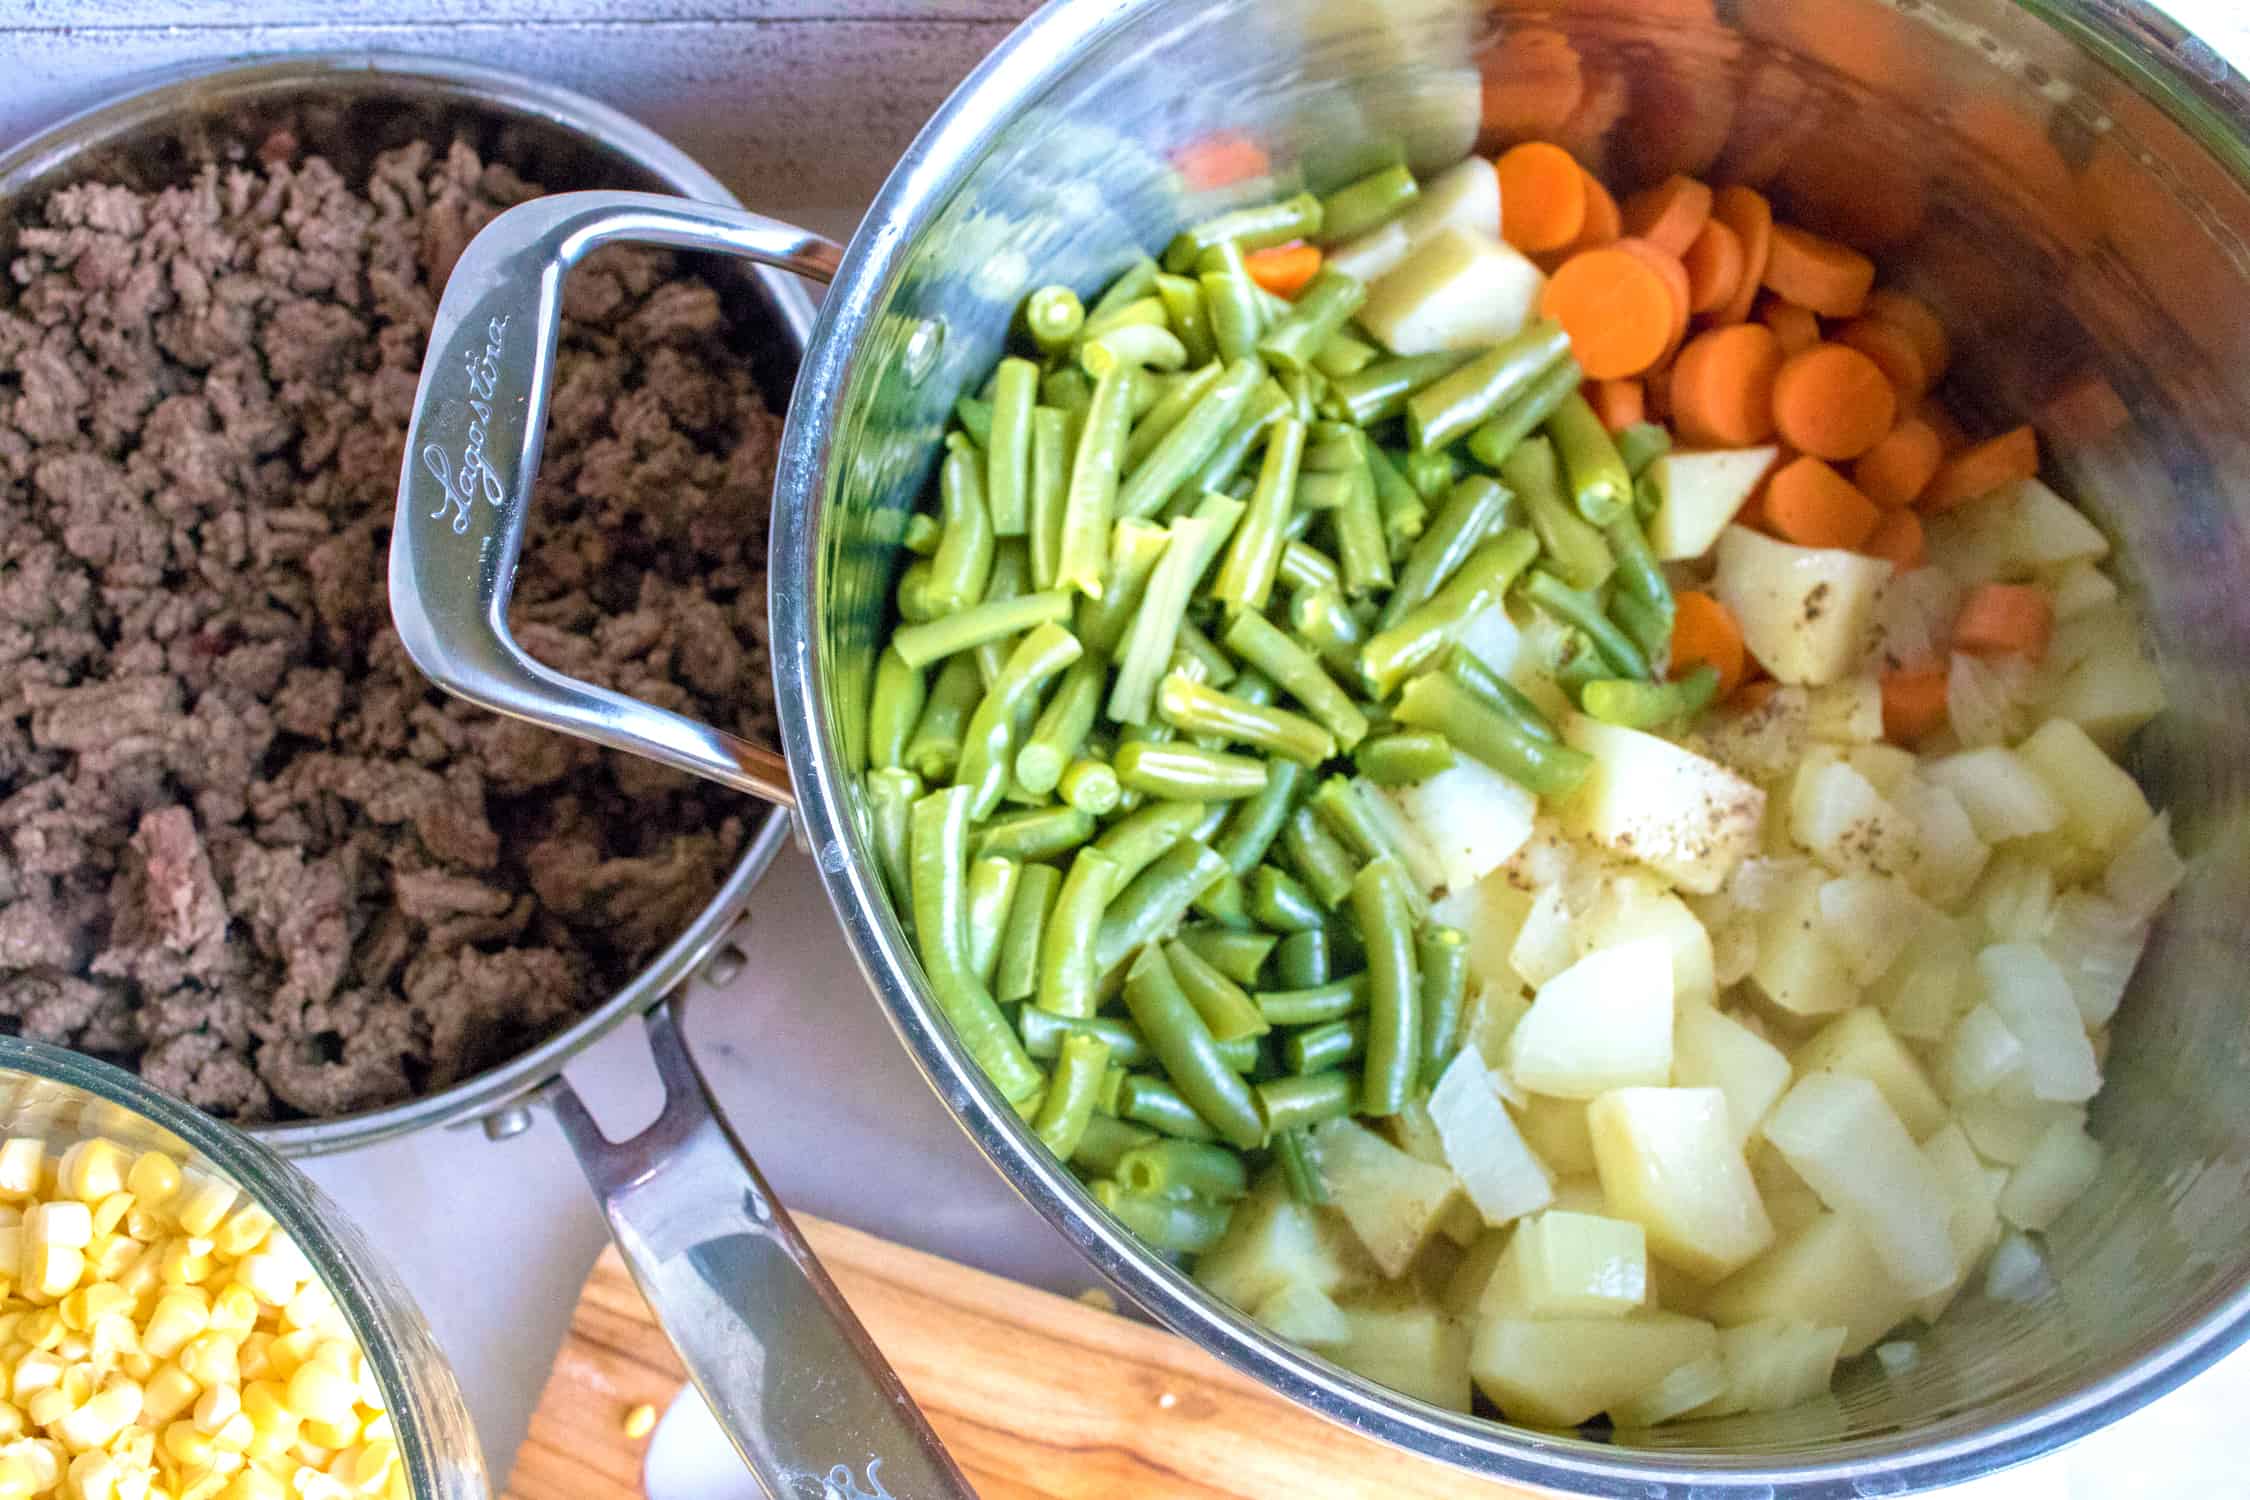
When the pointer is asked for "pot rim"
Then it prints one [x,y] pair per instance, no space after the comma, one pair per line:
[2143,46]
[200,88]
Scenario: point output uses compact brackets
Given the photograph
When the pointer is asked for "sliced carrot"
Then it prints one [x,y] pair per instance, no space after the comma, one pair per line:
[1980,470]
[1714,267]
[1746,212]
[1619,403]
[1604,223]
[1812,505]
[1897,539]
[1913,317]
[1893,352]
[1675,282]
[1668,215]
[1542,196]
[1898,468]
[1913,705]
[1221,159]
[1816,272]
[1794,326]
[1832,402]
[1704,630]
[1752,695]
[1616,308]
[1283,270]
[1999,619]
[1721,390]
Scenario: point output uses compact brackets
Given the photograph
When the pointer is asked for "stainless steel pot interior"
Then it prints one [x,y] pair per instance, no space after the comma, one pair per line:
[350,107]
[2069,182]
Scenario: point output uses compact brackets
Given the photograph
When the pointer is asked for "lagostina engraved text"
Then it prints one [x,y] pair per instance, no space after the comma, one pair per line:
[473,475]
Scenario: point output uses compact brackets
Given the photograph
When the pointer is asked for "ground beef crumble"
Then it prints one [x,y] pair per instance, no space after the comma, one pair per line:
[242,842]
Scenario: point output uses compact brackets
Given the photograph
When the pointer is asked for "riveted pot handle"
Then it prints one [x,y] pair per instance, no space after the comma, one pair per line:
[472,452]
[808,1400]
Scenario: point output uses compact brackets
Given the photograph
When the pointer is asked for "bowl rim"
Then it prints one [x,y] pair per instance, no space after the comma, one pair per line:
[1014,78]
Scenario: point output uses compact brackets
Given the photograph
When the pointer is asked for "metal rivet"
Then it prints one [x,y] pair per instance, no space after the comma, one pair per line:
[722,967]
[502,1124]
[923,346]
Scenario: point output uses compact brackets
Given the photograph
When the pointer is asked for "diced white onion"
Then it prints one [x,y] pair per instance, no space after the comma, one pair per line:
[1915,619]
[2097,945]
[1982,1051]
[1984,697]
[2143,875]
[1898,1356]
[2027,991]
[2017,1271]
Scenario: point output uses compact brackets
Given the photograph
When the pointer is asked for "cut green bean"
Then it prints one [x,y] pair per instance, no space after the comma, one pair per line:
[1378,392]
[1574,608]
[919,645]
[1062,727]
[1305,389]
[1183,305]
[1394,1025]
[1642,444]
[1188,1053]
[1173,1226]
[1301,962]
[1254,557]
[1298,1101]
[1319,314]
[1253,228]
[1195,708]
[1230,300]
[1044,1033]
[1575,550]
[940,880]
[1178,399]
[1147,649]
[1133,842]
[1406,514]
[1034,833]
[963,561]
[891,795]
[1403,757]
[1135,548]
[1314,1005]
[1136,347]
[1239,955]
[1007,475]
[1362,549]
[1600,485]
[1423,635]
[1053,315]
[1257,821]
[1499,693]
[1325,866]
[1071,1092]
[1188,772]
[1648,705]
[1010,572]
[1106,1139]
[920,535]
[1154,902]
[1344,355]
[935,748]
[1280,903]
[894,709]
[1016,977]
[1090,786]
[1133,283]
[1367,204]
[1219,669]
[1441,955]
[1322,618]
[1320,1049]
[1225,1007]
[985,746]
[1069,391]
[1437,701]
[1090,497]
[1433,473]
[1224,900]
[1646,625]
[975,418]
[1256,640]
[992,895]
[1050,480]
[1067,972]
[914,593]
[1192,441]
[1469,513]
[1298,1167]
[1140,312]
[1184,1169]
[1307,567]
[1447,410]
[1491,443]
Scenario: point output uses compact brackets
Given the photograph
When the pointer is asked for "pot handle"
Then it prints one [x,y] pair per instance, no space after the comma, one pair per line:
[472,453]
[793,1378]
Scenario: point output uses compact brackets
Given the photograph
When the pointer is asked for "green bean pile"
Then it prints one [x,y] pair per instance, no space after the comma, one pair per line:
[1190,596]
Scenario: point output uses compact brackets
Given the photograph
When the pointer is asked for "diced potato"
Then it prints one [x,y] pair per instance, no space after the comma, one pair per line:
[1870,920]
[2111,692]
[1860,1045]
[1698,495]
[1496,1169]
[1699,1382]
[1669,1162]
[1473,818]
[2080,588]
[1564,1371]
[1824,1273]
[1490,913]
[2102,805]
[2062,1164]
[2044,529]
[2096,945]
[1465,1289]
[1687,817]
[1459,289]
[1391,1200]
[1374,253]
[2029,994]
[1948,854]
[1272,1242]
[1973,1225]
[1846,1142]
[1763,743]
[1633,904]
[1464,196]
[1572,1265]
[1603,1023]
[2006,1125]
[1544,944]
[2015,899]
[1557,1132]
[1886,767]
[1806,612]
[1796,967]
[2146,871]
[1582,1194]
[1980,1052]
[1848,711]
[1713,1050]
[1407,1345]
[1771,1366]
[1926,991]
[1836,813]
[2002,797]
[1304,1314]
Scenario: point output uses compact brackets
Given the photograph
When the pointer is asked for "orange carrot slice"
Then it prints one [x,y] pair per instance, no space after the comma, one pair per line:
[2003,618]
[1283,270]
[1616,308]
[1816,272]
[1812,505]
[1714,267]
[1752,695]
[1832,402]
[1913,317]
[1604,223]
[1721,390]
[1913,705]
[1668,215]
[1897,539]
[1898,468]
[1794,326]
[1705,631]
[1675,282]
[1619,403]
[1978,471]
[1894,353]
[1542,197]
[1746,212]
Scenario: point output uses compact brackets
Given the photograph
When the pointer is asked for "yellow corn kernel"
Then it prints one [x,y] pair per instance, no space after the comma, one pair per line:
[204,1486]
[312,1309]
[153,1178]
[82,1308]
[12,1422]
[367,1467]
[186,1262]
[146,1273]
[91,1170]
[253,1483]
[44,1329]
[93,1476]
[138,1365]
[289,1350]
[104,1416]
[201,1202]
[235,1433]
[75,1347]
[330,1434]
[17,1482]
[209,1358]
[179,1315]
[266,1403]
[111,1212]
[319,1392]
[23,1161]
[217,1407]
[69,1225]
[640,1421]
[37,1371]
[188,1445]
[244,1231]
[50,1271]
[378,1429]
[168,1392]
[11,1249]
[234,1309]
[47,1407]
[45,1459]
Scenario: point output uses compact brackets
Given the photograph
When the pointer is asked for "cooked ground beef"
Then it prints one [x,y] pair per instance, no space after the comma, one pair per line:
[243,843]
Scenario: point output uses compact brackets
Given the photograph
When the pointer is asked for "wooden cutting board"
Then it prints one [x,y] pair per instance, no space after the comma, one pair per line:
[1037,1396]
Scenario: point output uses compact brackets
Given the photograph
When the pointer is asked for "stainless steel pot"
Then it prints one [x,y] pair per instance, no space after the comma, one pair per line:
[2070,182]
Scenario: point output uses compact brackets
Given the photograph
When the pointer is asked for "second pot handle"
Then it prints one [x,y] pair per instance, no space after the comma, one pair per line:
[806,1397]
[472,453]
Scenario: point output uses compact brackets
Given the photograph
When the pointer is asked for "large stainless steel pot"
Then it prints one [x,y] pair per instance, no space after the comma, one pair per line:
[2069,181]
